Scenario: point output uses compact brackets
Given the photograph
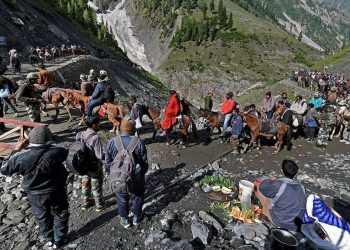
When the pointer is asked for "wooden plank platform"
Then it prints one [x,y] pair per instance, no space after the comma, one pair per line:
[6,149]
[20,126]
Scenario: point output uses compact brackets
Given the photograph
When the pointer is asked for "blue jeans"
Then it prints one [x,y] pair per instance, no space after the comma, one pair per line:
[92,104]
[137,199]
[51,213]
[2,125]
[226,122]
[269,114]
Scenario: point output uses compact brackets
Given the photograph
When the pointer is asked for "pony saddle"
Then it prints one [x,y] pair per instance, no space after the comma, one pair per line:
[268,127]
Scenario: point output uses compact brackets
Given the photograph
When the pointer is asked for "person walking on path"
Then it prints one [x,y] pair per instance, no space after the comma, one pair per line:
[136,148]
[29,94]
[237,129]
[44,181]
[93,180]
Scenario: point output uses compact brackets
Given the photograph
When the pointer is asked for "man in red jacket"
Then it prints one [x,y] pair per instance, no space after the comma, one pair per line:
[171,111]
[226,110]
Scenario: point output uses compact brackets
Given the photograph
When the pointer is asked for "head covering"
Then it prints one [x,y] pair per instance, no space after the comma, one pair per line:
[40,135]
[334,89]
[32,76]
[316,94]
[91,120]
[172,92]
[103,73]
[229,94]
[92,71]
[128,125]
[83,77]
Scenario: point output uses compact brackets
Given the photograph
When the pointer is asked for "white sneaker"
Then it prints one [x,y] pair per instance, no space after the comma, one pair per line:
[347,142]
[342,140]
[16,115]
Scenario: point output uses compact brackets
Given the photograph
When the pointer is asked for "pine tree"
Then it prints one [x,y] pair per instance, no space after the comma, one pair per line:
[230,21]
[212,6]
[86,17]
[188,6]
[70,9]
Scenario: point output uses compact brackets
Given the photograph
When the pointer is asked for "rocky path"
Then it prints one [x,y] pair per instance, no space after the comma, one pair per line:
[177,214]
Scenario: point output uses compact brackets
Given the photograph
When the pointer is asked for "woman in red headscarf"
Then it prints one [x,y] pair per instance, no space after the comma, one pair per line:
[171,111]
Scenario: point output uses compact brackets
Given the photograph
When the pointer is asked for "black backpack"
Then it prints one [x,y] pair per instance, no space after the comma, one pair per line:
[80,157]
[108,94]
[123,169]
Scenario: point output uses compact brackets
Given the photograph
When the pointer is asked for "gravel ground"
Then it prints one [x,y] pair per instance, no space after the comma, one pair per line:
[171,213]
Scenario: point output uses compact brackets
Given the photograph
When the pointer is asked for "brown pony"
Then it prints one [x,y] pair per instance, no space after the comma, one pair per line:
[55,96]
[113,111]
[254,125]
[212,117]
[74,99]
[155,115]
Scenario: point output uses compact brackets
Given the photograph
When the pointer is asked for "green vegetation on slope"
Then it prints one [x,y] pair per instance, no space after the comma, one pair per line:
[247,46]
[336,58]
[322,33]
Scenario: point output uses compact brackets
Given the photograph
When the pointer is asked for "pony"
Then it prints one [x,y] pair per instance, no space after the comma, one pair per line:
[255,125]
[155,115]
[114,113]
[212,117]
[75,99]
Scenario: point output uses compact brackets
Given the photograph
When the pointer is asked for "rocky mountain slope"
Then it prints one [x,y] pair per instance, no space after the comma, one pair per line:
[341,5]
[27,24]
[212,56]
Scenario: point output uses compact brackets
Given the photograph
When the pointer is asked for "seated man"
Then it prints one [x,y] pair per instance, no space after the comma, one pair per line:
[283,199]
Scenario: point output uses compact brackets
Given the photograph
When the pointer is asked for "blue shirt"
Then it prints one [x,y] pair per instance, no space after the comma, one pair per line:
[317,102]
[237,125]
[98,92]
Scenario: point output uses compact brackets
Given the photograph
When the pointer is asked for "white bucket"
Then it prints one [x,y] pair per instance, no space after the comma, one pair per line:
[246,188]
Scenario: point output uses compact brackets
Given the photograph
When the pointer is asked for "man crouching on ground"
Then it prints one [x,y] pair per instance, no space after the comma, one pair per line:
[44,181]
[283,199]
[126,165]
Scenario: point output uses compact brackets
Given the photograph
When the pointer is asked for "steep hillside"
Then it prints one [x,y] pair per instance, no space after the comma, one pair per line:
[27,24]
[341,5]
[312,21]
[196,46]
[337,63]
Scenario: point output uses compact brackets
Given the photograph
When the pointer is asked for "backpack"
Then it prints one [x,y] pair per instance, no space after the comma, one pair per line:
[79,157]
[108,94]
[123,170]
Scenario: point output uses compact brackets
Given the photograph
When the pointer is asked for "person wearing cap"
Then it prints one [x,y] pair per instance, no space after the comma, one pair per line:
[29,94]
[226,110]
[97,97]
[128,129]
[236,129]
[44,181]
[316,100]
[268,106]
[92,182]
[208,101]
[86,88]
[311,124]
[172,110]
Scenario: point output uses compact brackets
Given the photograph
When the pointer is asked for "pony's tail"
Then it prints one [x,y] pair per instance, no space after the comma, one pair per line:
[194,129]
